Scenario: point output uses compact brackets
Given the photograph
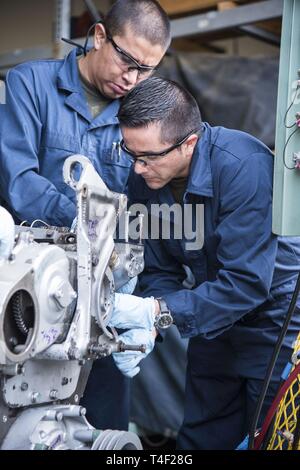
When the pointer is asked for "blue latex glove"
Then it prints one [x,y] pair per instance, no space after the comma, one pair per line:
[129,287]
[74,225]
[131,311]
[7,233]
[127,362]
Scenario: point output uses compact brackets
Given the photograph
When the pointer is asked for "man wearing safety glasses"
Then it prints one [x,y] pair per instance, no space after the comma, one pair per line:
[56,108]
[244,275]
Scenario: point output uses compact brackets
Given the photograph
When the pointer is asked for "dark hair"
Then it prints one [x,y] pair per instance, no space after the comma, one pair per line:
[157,100]
[145,17]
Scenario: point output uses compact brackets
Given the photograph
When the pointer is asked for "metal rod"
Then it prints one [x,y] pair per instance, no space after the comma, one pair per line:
[126,228]
[141,225]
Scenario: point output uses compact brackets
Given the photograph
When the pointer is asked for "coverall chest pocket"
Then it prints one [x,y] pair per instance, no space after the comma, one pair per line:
[55,148]
[115,167]
[60,141]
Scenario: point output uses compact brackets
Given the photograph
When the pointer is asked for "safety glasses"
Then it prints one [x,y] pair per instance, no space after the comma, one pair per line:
[127,62]
[153,156]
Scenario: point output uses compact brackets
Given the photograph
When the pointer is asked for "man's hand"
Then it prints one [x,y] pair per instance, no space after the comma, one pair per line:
[127,362]
[7,233]
[129,287]
[131,311]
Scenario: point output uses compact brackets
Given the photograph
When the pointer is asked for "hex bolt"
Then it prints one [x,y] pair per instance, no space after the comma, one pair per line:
[34,397]
[76,398]
[4,418]
[24,386]
[53,394]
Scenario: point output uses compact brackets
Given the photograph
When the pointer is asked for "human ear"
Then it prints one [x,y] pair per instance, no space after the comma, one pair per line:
[99,36]
[189,144]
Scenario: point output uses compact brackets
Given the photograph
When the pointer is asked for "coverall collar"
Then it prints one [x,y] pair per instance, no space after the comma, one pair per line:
[200,176]
[68,80]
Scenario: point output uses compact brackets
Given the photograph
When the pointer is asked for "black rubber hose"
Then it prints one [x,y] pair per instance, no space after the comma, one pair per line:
[272,363]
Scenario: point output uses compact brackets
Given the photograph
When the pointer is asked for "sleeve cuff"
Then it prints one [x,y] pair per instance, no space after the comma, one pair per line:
[185,322]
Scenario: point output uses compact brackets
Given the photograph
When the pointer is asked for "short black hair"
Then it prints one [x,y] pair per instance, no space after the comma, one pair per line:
[145,17]
[161,101]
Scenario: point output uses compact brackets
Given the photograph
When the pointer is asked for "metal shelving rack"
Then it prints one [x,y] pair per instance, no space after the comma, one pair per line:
[201,25]
[57,49]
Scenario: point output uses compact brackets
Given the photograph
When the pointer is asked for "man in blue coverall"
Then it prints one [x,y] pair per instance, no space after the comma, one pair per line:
[244,275]
[57,108]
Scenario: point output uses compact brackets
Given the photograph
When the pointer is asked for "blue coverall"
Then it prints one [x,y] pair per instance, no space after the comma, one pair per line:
[46,119]
[244,279]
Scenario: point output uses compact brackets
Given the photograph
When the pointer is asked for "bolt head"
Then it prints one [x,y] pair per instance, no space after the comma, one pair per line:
[34,397]
[24,386]
[59,416]
[64,381]
[53,394]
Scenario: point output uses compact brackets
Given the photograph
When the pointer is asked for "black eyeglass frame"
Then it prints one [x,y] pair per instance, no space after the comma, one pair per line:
[141,68]
[153,155]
